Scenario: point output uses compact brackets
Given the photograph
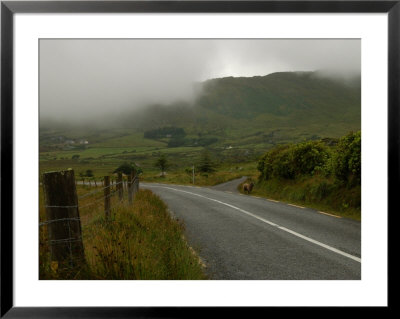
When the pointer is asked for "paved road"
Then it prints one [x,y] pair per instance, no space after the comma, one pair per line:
[230,186]
[244,237]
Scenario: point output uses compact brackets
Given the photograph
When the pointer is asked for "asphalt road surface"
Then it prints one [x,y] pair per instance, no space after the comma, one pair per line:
[243,237]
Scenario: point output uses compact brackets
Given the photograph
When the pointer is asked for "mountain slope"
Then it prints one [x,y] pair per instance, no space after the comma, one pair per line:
[299,94]
[302,104]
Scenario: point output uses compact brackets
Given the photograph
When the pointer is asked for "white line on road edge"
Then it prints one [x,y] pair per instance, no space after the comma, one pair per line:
[330,215]
[272,224]
[296,206]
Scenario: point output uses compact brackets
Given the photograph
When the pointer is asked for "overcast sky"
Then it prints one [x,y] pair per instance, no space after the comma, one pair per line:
[80,78]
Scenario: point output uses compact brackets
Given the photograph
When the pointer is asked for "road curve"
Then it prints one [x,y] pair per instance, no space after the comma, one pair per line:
[244,237]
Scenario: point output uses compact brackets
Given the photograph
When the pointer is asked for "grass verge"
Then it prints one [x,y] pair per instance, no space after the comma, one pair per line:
[141,241]
[316,192]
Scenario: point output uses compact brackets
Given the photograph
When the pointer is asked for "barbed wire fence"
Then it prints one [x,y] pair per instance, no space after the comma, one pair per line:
[62,211]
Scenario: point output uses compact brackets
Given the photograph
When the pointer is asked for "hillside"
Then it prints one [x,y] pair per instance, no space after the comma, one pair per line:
[286,94]
[238,119]
[287,106]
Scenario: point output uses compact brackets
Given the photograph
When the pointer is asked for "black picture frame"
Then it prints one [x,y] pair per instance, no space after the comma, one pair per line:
[9,8]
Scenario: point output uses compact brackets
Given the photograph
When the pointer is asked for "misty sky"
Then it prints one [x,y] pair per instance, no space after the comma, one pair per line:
[88,78]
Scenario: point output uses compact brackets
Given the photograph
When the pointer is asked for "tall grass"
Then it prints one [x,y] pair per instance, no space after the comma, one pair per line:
[316,192]
[141,241]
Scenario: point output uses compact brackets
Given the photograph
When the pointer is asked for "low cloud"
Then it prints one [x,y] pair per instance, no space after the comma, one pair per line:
[84,79]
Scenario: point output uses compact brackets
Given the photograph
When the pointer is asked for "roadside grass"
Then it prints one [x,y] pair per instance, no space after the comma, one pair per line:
[222,175]
[315,192]
[141,241]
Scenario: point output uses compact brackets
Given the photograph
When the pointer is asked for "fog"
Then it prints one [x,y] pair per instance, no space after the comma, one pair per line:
[86,79]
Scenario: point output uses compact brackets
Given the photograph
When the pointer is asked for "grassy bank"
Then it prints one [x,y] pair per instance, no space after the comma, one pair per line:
[315,192]
[223,174]
[142,241]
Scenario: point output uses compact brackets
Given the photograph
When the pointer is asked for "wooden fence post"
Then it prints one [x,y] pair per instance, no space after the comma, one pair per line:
[63,222]
[120,186]
[107,198]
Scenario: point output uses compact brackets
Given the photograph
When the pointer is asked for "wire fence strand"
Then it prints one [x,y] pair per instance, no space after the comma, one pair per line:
[98,190]
[59,220]
[98,200]
[71,239]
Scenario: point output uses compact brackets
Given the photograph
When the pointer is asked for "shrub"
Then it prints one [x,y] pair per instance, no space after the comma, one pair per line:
[282,165]
[308,157]
[347,160]
[267,163]
[291,161]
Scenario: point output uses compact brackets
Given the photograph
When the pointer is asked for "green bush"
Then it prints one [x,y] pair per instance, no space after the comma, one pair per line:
[291,161]
[282,165]
[270,161]
[308,157]
[347,159]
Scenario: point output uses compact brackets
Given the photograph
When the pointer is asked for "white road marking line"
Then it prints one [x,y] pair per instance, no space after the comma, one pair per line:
[274,225]
[330,215]
[296,206]
[273,200]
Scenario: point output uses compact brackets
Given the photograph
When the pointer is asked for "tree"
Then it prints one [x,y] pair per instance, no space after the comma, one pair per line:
[82,176]
[89,173]
[206,164]
[124,168]
[162,164]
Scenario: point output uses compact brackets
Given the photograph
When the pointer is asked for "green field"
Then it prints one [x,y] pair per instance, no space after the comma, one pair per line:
[104,156]
[236,119]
